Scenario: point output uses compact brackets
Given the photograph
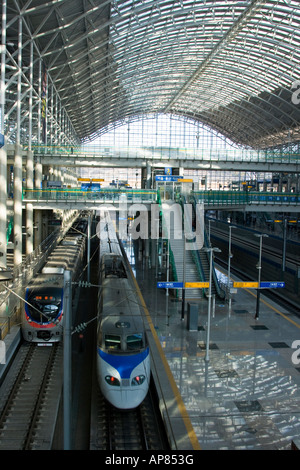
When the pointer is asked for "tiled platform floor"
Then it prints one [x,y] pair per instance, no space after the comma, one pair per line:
[247,395]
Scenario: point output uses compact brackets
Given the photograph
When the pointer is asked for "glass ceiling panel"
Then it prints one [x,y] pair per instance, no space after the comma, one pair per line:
[227,64]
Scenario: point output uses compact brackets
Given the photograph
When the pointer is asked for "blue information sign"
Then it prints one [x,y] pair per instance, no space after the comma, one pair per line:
[170,285]
[272,284]
[167,178]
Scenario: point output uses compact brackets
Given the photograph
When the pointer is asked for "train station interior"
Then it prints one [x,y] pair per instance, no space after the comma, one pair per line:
[181,120]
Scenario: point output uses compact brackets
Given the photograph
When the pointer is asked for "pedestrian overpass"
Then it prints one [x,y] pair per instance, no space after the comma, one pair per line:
[73,198]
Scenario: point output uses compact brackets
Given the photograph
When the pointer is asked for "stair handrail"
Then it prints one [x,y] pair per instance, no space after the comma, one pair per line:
[220,292]
[194,250]
[171,254]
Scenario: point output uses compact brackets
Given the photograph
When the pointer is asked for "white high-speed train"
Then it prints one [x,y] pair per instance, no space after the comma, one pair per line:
[123,361]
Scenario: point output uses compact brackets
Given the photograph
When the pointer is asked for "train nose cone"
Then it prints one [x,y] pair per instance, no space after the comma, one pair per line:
[129,399]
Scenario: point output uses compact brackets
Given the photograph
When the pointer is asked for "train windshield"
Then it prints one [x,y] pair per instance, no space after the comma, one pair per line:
[113,342]
[44,307]
[114,267]
[129,343]
[134,342]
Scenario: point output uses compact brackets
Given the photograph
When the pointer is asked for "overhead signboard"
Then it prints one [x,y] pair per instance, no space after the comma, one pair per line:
[190,285]
[271,284]
[179,285]
[90,179]
[253,285]
[262,285]
[170,285]
[54,184]
[173,178]
[6,275]
[167,178]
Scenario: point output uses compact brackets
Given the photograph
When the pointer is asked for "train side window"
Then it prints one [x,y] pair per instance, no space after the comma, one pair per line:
[113,342]
[134,342]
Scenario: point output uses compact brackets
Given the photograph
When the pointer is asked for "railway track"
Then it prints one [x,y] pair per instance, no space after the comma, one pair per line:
[30,395]
[245,257]
[282,299]
[137,429]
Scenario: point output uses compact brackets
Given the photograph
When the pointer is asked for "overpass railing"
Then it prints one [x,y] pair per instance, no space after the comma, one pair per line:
[102,195]
[217,198]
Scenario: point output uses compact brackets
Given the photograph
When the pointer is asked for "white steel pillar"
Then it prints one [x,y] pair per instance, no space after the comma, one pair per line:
[18,163]
[38,220]
[3,154]
[29,207]
[29,165]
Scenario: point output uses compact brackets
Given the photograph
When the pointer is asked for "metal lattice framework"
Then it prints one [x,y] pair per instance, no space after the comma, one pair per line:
[232,65]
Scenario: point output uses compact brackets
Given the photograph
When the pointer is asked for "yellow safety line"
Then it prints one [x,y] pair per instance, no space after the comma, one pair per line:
[269,305]
[276,310]
[181,406]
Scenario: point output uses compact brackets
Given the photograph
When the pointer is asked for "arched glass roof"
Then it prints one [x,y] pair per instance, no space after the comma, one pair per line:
[231,65]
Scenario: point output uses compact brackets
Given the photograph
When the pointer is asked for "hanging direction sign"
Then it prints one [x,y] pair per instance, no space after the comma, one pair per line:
[179,285]
[6,275]
[271,284]
[262,285]
[190,285]
[170,285]
[166,178]
[253,285]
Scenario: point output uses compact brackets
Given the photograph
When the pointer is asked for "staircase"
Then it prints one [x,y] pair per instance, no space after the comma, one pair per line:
[175,234]
[205,266]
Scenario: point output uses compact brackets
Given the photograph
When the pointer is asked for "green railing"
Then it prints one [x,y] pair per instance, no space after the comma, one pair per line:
[244,197]
[171,255]
[102,195]
[9,228]
[211,198]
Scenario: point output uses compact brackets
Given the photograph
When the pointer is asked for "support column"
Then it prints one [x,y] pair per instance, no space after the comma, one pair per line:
[148,177]
[29,165]
[3,209]
[29,207]
[18,206]
[153,253]
[3,154]
[18,163]
[38,213]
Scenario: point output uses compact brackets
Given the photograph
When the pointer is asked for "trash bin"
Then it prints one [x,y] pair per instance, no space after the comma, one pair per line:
[192,317]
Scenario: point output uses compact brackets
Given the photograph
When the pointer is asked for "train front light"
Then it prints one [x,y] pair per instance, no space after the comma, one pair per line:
[138,380]
[112,381]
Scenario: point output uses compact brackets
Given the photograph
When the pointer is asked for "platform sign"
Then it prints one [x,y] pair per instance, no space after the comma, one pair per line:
[190,285]
[271,284]
[88,180]
[251,285]
[167,178]
[6,275]
[262,285]
[170,285]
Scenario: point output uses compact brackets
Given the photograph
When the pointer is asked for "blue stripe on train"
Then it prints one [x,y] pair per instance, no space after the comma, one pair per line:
[124,364]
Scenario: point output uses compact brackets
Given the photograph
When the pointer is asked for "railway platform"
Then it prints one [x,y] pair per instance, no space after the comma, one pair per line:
[246,394]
